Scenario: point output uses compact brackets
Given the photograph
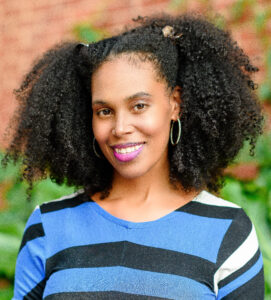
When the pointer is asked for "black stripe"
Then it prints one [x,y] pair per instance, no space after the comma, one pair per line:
[136,256]
[37,292]
[32,232]
[74,201]
[99,295]
[237,233]
[240,271]
[251,290]
[210,211]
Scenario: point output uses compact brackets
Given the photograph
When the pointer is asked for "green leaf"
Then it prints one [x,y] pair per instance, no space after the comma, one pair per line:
[238,9]
[260,20]
[176,4]
[11,228]
[232,191]
[47,190]
[264,179]
[10,172]
[6,293]
[262,152]
[265,91]
[9,246]
[87,33]
[220,22]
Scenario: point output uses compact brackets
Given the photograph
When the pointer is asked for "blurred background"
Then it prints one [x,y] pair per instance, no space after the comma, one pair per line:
[29,27]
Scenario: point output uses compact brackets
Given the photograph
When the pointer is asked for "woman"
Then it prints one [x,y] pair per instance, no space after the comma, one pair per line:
[144,123]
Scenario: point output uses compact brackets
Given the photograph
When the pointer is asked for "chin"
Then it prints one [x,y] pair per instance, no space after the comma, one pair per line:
[132,172]
[130,175]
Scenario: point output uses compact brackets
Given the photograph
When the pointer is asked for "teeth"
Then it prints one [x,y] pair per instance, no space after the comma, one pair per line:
[128,149]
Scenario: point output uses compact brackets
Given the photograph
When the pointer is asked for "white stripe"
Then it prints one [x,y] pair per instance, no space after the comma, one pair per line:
[66,197]
[207,198]
[238,259]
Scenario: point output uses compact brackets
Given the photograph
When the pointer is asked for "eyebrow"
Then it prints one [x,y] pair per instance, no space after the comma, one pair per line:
[136,95]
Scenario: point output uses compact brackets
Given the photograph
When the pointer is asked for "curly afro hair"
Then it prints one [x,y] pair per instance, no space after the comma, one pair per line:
[219,106]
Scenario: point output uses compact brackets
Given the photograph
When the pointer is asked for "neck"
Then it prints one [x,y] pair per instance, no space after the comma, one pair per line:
[142,190]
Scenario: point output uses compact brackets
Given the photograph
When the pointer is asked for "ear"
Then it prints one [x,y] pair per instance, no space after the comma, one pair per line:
[175,102]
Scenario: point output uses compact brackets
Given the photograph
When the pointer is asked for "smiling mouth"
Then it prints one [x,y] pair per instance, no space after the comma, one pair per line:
[127,149]
[128,153]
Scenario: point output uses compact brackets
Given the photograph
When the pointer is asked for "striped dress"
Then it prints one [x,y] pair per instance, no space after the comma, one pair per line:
[74,249]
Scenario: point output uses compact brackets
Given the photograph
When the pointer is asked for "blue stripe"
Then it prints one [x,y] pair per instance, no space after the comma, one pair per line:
[67,228]
[29,267]
[239,281]
[78,226]
[126,280]
[174,234]
[33,219]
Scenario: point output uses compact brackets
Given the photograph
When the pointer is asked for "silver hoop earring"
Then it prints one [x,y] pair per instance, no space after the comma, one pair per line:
[93,145]
[179,132]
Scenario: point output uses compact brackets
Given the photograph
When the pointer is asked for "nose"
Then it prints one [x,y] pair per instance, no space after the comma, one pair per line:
[122,125]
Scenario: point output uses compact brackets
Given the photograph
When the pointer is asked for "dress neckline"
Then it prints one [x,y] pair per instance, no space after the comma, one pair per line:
[131,224]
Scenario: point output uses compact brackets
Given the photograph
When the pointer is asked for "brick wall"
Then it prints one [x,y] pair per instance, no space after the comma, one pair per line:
[29,27]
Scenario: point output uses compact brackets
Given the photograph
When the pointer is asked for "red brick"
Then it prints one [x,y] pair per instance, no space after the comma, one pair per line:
[154,2]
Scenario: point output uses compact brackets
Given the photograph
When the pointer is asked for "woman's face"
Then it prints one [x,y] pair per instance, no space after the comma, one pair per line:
[131,115]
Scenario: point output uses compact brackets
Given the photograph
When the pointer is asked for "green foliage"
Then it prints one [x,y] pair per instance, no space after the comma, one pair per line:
[240,8]
[265,88]
[177,4]
[262,152]
[6,293]
[261,20]
[14,214]
[220,22]
[87,33]
[265,91]
[261,25]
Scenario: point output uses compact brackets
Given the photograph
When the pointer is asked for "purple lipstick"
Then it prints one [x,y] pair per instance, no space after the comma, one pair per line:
[125,154]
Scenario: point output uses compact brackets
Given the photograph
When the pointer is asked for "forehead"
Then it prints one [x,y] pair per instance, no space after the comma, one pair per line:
[125,74]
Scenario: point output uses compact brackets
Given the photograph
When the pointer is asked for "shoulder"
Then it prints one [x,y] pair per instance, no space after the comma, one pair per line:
[224,208]
[212,200]
[69,201]
[214,207]
[38,219]
[239,259]
[239,243]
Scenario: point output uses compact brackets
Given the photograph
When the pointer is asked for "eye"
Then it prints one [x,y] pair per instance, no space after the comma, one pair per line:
[103,112]
[140,106]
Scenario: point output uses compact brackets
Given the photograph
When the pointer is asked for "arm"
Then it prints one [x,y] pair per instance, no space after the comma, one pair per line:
[239,272]
[30,265]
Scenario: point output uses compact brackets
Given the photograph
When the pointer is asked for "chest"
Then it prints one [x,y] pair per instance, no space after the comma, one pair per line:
[126,270]
[131,265]
[99,254]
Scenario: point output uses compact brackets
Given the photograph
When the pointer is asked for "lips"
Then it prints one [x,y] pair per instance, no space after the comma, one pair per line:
[126,153]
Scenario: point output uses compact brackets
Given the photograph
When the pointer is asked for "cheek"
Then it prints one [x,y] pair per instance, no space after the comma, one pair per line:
[101,130]
[156,124]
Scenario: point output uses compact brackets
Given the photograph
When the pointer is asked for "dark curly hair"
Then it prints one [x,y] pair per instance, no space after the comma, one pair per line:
[219,108]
